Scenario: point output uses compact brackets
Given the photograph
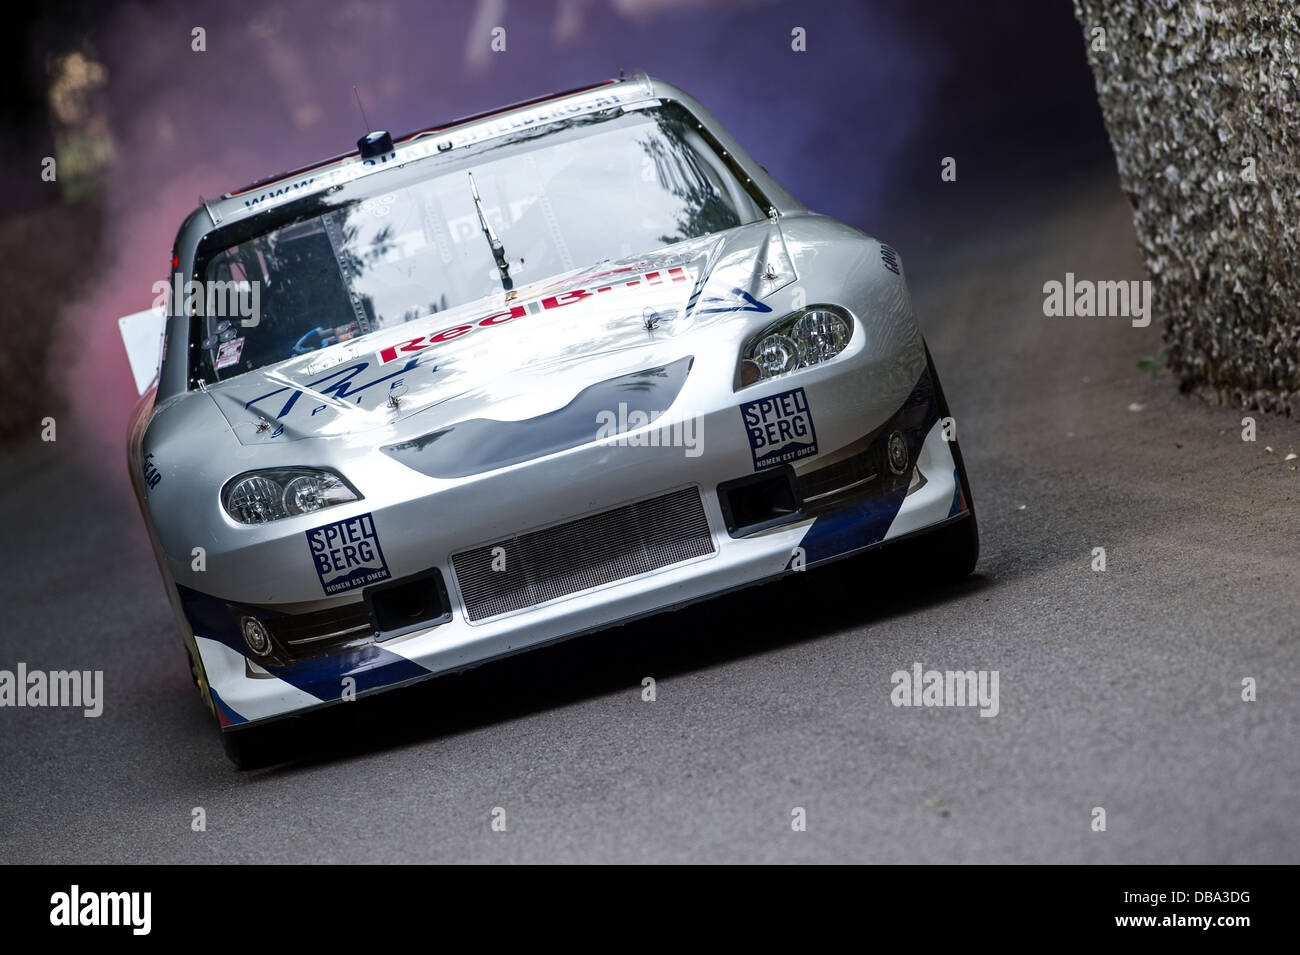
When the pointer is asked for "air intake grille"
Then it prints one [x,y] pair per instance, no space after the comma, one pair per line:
[542,565]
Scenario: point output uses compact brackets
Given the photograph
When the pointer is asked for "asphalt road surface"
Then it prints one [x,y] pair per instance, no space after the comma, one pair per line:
[1119,689]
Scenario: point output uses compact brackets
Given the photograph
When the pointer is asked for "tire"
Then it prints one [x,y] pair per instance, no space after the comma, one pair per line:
[252,748]
[954,548]
[955,445]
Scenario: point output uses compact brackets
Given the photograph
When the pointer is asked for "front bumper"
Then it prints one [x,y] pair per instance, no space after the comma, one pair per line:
[846,498]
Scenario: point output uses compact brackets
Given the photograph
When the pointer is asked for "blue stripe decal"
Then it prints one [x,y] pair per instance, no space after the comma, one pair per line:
[371,666]
[955,509]
[867,522]
[230,715]
[858,525]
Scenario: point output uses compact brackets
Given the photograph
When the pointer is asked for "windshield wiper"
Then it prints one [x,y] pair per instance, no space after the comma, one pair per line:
[498,250]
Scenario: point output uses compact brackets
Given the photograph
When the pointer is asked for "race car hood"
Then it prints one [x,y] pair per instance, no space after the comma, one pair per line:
[513,355]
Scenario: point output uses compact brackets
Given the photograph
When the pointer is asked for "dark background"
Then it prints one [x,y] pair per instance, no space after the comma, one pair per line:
[855,127]
[895,82]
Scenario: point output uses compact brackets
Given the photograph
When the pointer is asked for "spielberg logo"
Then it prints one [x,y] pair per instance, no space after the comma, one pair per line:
[347,554]
[780,429]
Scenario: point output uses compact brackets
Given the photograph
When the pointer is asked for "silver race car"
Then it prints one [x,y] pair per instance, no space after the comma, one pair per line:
[511,379]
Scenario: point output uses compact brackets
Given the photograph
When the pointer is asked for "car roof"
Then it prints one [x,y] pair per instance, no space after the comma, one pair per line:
[315,177]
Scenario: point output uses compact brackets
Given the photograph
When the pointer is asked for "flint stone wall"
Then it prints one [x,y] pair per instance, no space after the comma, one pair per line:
[1196,97]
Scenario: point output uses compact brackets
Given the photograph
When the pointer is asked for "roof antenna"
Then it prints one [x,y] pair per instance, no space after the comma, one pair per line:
[375,142]
[365,123]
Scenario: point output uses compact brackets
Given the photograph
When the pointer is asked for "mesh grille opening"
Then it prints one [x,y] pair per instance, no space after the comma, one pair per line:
[557,561]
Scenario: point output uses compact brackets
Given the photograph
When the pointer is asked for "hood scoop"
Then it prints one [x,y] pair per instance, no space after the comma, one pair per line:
[603,411]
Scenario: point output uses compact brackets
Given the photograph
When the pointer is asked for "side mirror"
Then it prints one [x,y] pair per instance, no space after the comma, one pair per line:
[142,335]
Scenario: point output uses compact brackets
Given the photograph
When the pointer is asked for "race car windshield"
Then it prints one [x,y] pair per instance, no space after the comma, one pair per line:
[558,197]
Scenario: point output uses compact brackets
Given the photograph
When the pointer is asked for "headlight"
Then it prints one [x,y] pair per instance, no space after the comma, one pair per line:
[807,337]
[260,496]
